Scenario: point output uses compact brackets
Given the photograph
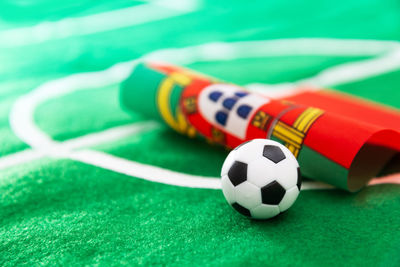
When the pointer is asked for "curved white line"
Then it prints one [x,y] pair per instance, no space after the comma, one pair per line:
[341,74]
[21,117]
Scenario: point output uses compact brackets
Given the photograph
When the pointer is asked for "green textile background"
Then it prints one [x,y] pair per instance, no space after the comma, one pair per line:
[55,210]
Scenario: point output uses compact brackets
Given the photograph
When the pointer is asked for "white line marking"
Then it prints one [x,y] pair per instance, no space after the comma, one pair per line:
[62,149]
[341,74]
[349,72]
[220,51]
[21,117]
[144,171]
[112,134]
[106,21]
[19,158]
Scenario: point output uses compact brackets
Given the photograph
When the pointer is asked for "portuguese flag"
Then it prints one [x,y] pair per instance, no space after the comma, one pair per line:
[337,139]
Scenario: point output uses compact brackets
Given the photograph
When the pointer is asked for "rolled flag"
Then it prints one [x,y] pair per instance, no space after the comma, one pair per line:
[336,138]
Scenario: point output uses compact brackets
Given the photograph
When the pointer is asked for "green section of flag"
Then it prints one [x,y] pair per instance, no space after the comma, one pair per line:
[140,93]
[174,98]
[143,101]
[321,166]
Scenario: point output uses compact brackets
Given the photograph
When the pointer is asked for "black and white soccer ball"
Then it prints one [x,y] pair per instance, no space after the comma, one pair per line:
[261,178]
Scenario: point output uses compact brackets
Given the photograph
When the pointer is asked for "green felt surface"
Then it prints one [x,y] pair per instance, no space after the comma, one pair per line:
[58,211]
[100,107]
[92,219]
[275,69]
[172,152]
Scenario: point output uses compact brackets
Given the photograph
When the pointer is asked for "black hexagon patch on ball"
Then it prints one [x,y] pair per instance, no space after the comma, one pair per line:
[298,179]
[273,153]
[272,193]
[242,210]
[238,173]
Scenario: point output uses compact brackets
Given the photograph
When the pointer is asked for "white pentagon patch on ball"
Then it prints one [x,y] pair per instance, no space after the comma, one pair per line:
[261,178]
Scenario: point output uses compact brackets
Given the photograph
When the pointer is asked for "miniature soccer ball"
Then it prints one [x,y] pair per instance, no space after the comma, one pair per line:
[261,178]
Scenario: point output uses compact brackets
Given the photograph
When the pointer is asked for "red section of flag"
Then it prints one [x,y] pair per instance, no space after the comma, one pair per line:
[351,123]
[350,107]
[338,138]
